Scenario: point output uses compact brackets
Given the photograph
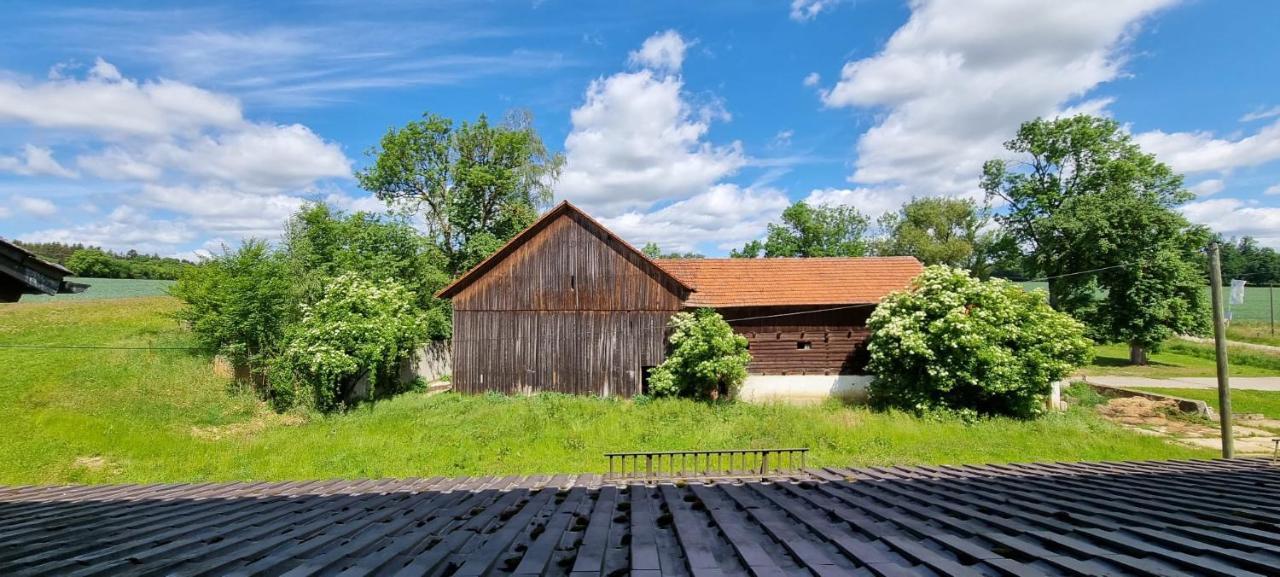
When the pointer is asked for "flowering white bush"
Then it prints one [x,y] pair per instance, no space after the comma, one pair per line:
[706,358]
[955,343]
[357,329]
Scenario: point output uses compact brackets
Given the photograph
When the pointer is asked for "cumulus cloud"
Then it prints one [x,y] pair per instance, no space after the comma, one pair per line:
[105,103]
[725,215]
[1234,217]
[1272,190]
[951,86]
[1204,152]
[38,207]
[1208,187]
[35,161]
[125,228]
[663,51]
[179,151]
[872,202]
[637,140]
[812,79]
[1261,113]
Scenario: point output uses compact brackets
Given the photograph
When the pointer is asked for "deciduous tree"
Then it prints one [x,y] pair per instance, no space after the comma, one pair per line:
[811,231]
[940,230]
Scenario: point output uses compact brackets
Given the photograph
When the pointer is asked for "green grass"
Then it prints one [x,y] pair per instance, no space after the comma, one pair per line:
[107,288]
[1264,402]
[73,415]
[1256,307]
[1180,359]
[1256,332]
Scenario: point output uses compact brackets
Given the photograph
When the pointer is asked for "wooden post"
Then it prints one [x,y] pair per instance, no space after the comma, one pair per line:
[1220,344]
[1272,294]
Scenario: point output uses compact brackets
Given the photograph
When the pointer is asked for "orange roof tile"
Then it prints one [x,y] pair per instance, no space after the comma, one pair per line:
[742,282]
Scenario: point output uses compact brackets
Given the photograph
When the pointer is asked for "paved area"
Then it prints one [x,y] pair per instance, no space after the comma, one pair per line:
[1245,383]
[1164,518]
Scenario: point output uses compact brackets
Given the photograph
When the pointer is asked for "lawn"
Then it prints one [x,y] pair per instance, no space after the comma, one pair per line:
[99,415]
[1180,359]
[1266,403]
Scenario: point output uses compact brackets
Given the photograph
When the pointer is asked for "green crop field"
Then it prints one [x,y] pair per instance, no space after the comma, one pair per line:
[1256,307]
[108,288]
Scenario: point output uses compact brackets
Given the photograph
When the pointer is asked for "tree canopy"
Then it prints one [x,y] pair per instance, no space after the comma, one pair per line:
[475,184]
[939,231]
[652,250]
[1097,215]
[812,231]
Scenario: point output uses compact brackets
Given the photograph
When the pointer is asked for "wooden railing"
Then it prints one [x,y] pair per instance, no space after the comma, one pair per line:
[706,465]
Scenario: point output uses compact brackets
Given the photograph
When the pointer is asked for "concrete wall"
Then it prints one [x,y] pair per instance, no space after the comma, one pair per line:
[804,388]
[431,364]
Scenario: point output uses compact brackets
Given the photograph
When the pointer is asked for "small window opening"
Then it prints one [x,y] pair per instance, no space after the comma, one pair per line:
[644,379]
[573,282]
[804,345]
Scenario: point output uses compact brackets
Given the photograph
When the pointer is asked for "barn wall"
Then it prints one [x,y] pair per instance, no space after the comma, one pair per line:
[571,310]
[836,339]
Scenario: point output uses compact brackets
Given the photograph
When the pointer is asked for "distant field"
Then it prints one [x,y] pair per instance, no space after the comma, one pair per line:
[1256,307]
[108,288]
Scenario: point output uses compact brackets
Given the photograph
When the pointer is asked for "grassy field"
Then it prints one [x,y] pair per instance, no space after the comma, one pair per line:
[1264,402]
[1256,307]
[107,288]
[94,415]
[1180,359]
[1253,332]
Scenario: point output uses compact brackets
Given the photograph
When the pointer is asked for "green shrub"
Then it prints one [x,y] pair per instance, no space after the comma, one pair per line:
[954,343]
[239,303]
[357,330]
[706,359]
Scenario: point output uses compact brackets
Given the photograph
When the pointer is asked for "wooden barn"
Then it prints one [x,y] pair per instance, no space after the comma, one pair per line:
[22,272]
[568,306]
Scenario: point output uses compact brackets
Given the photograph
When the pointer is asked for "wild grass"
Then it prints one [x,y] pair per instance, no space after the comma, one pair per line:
[1260,333]
[99,415]
[1180,359]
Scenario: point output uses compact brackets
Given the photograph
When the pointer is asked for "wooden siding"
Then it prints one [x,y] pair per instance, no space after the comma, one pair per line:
[837,339]
[571,310]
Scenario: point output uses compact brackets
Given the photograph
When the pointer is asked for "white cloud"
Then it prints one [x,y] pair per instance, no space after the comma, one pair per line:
[5,212]
[663,52]
[215,208]
[1204,152]
[1272,190]
[637,141]
[107,104]
[35,161]
[726,215]
[1261,113]
[958,78]
[1234,218]
[1208,187]
[125,228]
[872,202]
[802,10]
[812,79]
[114,163]
[33,206]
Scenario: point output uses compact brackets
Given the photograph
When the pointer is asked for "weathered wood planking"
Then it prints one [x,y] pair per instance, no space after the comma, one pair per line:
[571,309]
[836,339]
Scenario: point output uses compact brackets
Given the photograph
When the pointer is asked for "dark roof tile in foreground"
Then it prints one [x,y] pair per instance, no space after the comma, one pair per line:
[1135,518]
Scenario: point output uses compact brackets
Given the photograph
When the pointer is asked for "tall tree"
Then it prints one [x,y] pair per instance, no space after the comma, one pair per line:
[940,230]
[652,250]
[810,231]
[476,185]
[1095,213]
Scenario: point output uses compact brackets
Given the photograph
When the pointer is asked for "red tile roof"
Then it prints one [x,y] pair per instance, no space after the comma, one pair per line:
[741,282]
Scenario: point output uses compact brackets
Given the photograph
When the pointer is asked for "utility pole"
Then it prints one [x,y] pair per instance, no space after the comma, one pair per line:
[1220,343]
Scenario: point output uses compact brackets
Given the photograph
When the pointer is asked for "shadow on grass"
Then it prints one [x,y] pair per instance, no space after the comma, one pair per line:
[1123,362]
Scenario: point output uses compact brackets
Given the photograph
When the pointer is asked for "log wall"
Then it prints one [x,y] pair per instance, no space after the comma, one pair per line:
[836,341]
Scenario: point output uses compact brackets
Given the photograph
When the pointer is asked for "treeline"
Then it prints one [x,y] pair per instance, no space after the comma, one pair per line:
[95,262]
[1243,259]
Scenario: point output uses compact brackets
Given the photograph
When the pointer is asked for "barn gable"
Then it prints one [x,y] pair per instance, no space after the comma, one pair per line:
[566,306]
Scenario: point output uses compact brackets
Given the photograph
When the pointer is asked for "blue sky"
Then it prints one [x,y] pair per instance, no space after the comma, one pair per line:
[176,129]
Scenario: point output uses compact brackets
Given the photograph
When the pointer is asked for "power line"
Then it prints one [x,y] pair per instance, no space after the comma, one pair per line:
[1048,278]
[800,313]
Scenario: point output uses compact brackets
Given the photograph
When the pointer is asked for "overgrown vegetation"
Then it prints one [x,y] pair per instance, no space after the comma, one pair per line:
[324,308]
[93,416]
[705,359]
[957,344]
